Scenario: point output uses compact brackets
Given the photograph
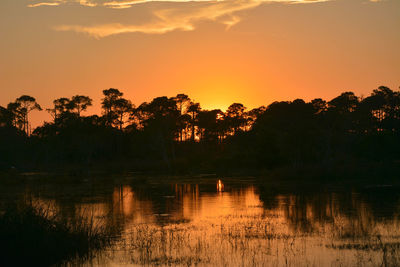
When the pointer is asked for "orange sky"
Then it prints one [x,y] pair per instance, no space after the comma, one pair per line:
[217,52]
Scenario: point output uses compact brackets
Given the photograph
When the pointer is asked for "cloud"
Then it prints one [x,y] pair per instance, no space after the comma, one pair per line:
[104,30]
[169,19]
[87,3]
[45,4]
[130,3]
[121,4]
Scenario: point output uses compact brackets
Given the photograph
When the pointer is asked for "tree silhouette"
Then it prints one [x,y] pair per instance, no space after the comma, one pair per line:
[21,108]
[80,103]
[209,122]
[287,133]
[114,107]
[14,111]
[319,105]
[123,108]
[235,116]
[61,106]
[64,108]
[6,117]
[182,102]
[255,113]
[345,103]
[341,111]
[193,110]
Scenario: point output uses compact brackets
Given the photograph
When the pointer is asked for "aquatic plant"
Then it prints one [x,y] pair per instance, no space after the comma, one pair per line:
[40,236]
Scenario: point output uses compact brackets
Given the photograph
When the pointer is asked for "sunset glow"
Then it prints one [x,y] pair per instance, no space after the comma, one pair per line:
[199,132]
[218,52]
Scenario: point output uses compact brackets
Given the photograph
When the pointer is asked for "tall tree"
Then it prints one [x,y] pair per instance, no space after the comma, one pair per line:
[110,102]
[235,116]
[159,117]
[80,103]
[182,102]
[60,106]
[14,110]
[193,110]
[26,105]
[122,109]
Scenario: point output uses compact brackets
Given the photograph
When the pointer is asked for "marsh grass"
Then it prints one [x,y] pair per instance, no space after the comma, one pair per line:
[235,241]
[40,236]
[256,241]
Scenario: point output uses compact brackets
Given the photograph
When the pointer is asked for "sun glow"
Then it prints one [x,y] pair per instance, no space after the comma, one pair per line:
[220,92]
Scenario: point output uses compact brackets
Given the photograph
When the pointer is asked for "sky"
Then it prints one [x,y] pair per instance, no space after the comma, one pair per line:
[218,52]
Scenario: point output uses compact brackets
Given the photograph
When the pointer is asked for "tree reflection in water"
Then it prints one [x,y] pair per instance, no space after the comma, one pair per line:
[189,223]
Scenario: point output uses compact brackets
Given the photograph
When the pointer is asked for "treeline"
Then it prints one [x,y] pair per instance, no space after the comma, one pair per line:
[177,134]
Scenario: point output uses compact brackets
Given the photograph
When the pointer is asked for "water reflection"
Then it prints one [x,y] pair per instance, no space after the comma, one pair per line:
[249,224]
[185,203]
[220,186]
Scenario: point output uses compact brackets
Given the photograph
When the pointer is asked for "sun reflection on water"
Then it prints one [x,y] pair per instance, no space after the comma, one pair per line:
[220,186]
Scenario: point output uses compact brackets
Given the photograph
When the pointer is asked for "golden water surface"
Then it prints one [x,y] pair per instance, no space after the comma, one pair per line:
[235,223]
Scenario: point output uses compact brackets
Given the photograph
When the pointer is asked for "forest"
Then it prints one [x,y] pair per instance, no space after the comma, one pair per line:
[174,134]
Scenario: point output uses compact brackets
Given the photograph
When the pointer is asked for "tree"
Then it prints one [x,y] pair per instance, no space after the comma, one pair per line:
[161,110]
[183,124]
[80,103]
[288,130]
[61,106]
[123,108]
[14,111]
[113,105]
[193,110]
[158,120]
[209,122]
[182,102]
[319,105]
[380,110]
[6,117]
[139,115]
[235,116]
[341,112]
[25,104]
[158,117]
[345,103]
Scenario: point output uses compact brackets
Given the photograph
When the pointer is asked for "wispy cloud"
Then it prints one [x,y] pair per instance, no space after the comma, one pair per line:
[130,3]
[87,3]
[171,19]
[166,19]
[45,4]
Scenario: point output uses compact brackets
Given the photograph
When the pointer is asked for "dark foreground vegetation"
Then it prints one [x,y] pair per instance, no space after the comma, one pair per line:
[176,135]
[37,236]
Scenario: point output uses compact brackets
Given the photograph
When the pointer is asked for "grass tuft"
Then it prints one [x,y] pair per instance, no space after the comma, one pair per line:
[32,236]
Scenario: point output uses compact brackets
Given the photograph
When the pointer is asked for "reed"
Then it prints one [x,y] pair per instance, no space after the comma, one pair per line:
[37,236]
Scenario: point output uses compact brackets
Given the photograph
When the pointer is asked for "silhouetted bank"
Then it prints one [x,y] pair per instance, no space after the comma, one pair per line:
[175,135]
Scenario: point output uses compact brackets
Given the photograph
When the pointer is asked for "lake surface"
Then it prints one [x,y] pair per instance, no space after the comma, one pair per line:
[228,221]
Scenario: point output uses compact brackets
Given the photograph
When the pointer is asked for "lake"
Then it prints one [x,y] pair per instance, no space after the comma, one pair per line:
[215,221]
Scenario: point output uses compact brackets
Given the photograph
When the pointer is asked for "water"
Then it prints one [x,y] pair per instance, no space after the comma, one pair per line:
[230,222]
